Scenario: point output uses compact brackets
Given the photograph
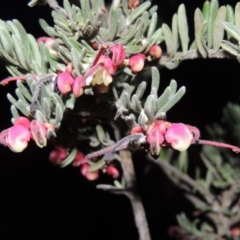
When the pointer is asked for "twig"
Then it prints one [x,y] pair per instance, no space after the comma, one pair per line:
[133,195]
[183,177]
[193,54]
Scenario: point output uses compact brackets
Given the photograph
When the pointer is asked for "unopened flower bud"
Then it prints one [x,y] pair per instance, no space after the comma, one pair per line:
[112,171]
[91,176]
[155,51]
[136,62]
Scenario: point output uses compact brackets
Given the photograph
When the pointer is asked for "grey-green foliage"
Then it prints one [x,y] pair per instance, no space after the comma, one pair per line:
[20,50]
[210,24]
[136,30]
[49,107]
[154,107]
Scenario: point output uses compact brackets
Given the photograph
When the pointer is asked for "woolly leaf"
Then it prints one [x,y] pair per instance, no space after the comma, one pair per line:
[218,29]
[183,27]
[169,41]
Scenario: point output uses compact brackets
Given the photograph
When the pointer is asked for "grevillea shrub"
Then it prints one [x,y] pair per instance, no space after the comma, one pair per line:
[90,89]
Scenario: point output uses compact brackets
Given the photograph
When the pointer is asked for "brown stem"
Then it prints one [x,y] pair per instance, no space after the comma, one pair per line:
[133,195]
[193,54]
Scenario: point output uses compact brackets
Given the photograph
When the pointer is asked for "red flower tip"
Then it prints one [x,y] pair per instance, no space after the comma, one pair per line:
[23,121]
[78,160]
[91,176]
[113,171]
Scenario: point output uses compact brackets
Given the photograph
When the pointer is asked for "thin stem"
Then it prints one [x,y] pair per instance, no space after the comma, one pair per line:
[193,54]
[175,173]
[133,195]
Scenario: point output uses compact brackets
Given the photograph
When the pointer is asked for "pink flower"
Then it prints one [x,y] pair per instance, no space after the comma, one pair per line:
[155,138]
[155,51]
[118,54]
[136,62]
[179,136]
[58,155]
[18,138]
[39,133]
[23,121]
[65,82]
[78,85]
[91,176]
[113,171]
[77,161]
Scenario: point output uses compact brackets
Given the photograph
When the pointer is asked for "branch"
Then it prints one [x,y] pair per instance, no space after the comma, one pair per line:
[133,195]
[183,177]
[193,54]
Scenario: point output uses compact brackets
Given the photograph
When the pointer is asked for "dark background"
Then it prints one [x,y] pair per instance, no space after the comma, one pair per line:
[39,201]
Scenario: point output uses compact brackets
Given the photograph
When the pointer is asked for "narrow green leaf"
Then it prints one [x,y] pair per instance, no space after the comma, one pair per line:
[150,108]
[141,89]
[68,8]
[232,29]
[155,78]
[183,27]
[86,11]
[136,104]
[152,25]
[173,87]
[24,90]
[138,11]
[46,106]
[162,100]
[47,29]
[114,18]
[62,25]
[169,41]
[69,158]
[19,51]
[237,15]
[175,30]
[32,3]
[218,29]
[125,7]
[212,16]
[200,24]
[206,10]
[229,47]
[171,102]
[14,112]
[75,61]
[97,166]
[96,6]
[229,17]
[6,42]
[35,50]
[133,49]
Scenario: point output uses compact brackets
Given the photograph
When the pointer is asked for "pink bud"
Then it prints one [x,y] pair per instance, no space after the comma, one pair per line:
[155,51]
[65,82]
[23,121]
[113,171]
[137,129]
[39,133]
[179,136]
[91,176]
[77,161]
[136,62]
[118,54]
[58,155]
[18,138]
[78,85]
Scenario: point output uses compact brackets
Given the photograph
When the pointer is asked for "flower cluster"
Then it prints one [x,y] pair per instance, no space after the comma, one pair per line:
[162,134]
[59,154]
[18,136]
